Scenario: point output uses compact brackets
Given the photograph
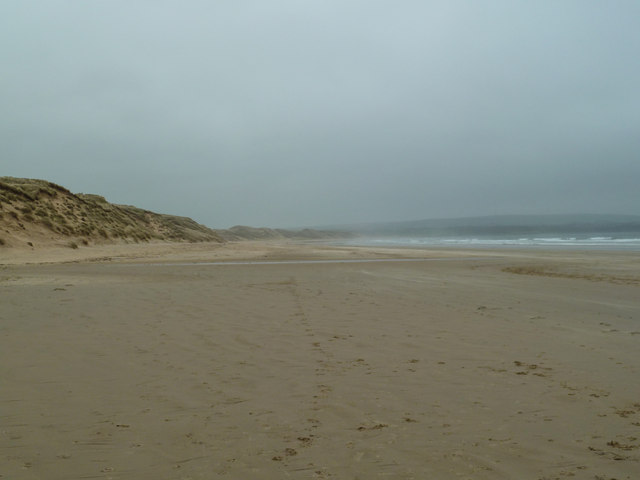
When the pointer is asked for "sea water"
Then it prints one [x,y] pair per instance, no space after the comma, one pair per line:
[598,242]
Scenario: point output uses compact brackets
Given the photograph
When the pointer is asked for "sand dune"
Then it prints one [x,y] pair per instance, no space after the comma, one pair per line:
[464,365]
[39,215]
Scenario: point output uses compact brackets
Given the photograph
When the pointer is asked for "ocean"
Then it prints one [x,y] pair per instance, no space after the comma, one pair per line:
[600,241]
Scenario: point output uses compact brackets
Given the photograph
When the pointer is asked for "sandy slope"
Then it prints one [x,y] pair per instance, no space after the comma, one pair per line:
[443,368]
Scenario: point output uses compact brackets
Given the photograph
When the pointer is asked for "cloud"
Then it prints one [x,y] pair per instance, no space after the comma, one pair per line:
[285,113]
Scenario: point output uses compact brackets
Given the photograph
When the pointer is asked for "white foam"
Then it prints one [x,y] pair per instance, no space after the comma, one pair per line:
[596,242]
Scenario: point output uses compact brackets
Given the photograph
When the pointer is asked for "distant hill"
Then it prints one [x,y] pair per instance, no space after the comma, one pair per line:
[502,225]
[241,232]
[40,212]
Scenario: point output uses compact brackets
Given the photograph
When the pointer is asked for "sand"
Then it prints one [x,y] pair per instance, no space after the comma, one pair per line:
[135,363]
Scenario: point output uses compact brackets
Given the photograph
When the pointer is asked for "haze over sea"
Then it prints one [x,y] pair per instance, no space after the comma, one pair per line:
[592,232]
[599,242]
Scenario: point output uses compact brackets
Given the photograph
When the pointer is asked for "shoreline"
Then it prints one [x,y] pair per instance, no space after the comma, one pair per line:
[273,249]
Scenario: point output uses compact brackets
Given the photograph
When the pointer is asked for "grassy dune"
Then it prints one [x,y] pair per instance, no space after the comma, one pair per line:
[40,212]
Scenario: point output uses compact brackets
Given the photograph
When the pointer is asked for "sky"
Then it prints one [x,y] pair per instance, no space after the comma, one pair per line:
[292,113]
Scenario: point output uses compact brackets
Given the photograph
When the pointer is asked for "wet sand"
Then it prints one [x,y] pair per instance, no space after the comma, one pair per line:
[461,364]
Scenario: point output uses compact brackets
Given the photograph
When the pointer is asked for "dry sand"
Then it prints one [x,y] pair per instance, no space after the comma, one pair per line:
[480,365]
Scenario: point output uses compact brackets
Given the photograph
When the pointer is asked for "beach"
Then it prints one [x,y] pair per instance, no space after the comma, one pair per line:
[163,362]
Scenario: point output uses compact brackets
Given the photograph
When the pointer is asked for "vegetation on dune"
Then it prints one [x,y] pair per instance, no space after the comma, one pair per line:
[41,212]
[38,208]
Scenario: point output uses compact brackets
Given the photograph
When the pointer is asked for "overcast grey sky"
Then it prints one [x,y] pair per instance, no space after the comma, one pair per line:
[294,112]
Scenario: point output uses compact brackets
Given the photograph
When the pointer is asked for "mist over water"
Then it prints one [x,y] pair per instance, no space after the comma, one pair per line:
[559,242]
[599,232]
